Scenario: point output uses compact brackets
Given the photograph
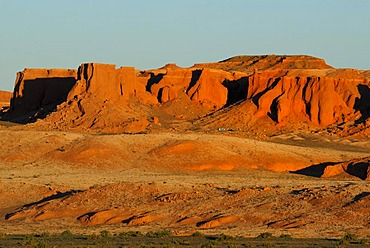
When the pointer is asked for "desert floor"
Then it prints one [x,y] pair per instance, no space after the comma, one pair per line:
[215,183]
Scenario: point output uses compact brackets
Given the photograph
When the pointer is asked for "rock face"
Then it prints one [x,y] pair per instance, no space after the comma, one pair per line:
[103,98]
[320,100]
[36,89]
[359,168]
[5,97]
[283,90]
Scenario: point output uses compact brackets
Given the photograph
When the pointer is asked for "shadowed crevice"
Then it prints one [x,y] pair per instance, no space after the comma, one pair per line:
[195,75]
[362,104]
[154,79]
[56,196]
[316,170]
[237,90]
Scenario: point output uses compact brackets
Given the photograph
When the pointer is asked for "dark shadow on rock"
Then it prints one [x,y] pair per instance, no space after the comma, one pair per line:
[237,90]
[160,94]
[362,104]
[88,215]
[56,196]
[357,198]
[358,169]
[273,85]
[39,98]
[154,79]
[195,75]
[273,114]
[316,170]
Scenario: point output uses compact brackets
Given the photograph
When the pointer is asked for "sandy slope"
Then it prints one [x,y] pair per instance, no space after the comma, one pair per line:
[216,183]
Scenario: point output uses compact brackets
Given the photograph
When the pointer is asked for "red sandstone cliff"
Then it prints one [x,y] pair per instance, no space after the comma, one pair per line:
[281,90]
[5,96]
[36,90]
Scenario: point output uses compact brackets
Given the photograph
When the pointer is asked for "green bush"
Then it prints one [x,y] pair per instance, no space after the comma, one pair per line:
[363,241]
[285,236]
[350,237]
[45,235]
[105,234]
[197,234]
[342,243]
[67,233]
[265,235]
[223,237]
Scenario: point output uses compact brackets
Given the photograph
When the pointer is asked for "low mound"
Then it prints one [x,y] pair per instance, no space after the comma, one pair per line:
[195,155]
[205,206]
[359,168]
[100,152]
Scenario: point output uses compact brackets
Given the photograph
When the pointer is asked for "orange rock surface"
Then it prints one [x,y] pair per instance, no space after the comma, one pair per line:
[285,90]
[5,97]
[359,168]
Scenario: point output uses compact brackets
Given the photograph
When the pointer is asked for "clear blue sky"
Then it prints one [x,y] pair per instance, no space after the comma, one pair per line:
[150,33]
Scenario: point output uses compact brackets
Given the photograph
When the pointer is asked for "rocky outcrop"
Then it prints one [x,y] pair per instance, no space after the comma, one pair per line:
[39,88]
[359,168]
[104,98]
[319,100]
[5,96]
[107,83]
[208,89]
[281,89]
[247,63]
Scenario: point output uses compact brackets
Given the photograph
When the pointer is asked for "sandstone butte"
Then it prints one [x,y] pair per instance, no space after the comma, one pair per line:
[5,97]
[271,91]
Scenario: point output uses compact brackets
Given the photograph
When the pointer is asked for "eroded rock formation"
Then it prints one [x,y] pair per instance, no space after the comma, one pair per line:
[37,88]
[5,97]
[281,89]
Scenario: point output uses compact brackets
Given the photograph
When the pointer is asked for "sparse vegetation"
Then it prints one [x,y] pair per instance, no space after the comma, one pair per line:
[223,237]
[105,234]
[130,234]
[158,234]
[93,237]
[363,241]
[209,244]
[136,239]
[265,235]
[285,236]
[350,237]
[67,233]
[197,234]
[45,234]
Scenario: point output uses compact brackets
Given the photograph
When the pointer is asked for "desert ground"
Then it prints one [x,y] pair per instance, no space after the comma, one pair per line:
[241,147]
[214,183]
